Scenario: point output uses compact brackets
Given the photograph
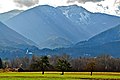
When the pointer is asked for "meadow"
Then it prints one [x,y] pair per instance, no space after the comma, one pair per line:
[57,76]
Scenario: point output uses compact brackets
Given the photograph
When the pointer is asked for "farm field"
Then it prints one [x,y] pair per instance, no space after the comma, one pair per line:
[57,76]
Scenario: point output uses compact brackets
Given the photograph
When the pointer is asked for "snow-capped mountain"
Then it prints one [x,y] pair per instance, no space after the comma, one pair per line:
[102,6]
[45,22]
[76,14]
[71,23]
[62,27]
[7,15]
[93,23]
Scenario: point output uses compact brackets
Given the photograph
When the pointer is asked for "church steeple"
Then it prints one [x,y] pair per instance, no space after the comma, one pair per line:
[27,52]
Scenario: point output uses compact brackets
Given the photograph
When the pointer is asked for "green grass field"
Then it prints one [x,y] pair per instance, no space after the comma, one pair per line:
[57,76]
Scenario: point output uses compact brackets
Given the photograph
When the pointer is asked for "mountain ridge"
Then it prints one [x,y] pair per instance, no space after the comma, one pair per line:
[7,15]
[51,19]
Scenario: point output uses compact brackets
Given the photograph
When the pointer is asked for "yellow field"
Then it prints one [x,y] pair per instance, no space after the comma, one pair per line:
[57,76]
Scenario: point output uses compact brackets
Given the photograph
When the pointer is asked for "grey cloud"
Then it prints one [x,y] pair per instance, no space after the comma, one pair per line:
[83,1]
[26,3]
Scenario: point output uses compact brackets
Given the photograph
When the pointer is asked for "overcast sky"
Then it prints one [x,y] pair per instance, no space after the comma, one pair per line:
[91,5]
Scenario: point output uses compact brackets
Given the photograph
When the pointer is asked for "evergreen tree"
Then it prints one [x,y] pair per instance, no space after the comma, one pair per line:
[63,65]
[44,63]
[40,64]
[1,65]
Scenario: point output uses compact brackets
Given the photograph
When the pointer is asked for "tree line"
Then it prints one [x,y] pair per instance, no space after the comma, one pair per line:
[63,63]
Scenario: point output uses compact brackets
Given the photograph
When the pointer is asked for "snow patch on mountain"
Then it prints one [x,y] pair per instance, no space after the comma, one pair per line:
[43,22]
[93,23]
[80,15]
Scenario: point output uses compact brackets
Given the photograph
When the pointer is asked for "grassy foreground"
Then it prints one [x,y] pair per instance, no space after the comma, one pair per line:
[57,76]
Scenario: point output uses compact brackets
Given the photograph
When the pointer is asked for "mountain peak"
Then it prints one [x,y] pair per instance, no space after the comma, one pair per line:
[7,15]
[72,23]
